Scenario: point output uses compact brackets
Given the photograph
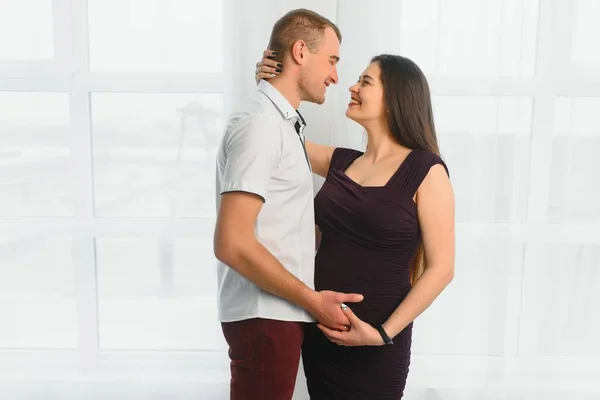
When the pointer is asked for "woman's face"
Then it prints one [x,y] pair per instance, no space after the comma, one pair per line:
[367,97]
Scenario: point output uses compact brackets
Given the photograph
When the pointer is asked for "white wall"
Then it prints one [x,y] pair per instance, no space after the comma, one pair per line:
[107,281]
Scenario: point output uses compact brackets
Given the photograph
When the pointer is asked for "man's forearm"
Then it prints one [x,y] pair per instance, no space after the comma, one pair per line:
[254,262]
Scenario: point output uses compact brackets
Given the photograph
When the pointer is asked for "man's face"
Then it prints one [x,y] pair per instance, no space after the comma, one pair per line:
[320,70]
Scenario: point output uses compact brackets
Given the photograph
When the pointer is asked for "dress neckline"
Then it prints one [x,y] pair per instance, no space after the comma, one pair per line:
[390,180]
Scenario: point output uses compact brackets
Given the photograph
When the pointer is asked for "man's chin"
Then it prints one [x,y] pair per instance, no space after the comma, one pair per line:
[317,99]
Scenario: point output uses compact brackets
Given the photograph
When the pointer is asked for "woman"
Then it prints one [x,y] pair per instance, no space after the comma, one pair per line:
[386,218]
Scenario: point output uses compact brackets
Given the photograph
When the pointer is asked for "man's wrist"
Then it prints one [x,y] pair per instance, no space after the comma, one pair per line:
[310,300]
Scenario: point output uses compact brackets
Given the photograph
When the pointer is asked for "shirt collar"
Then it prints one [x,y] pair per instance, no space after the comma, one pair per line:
[282,104]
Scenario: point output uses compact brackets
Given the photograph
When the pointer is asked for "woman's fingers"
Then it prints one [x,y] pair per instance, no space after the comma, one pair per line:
[269,70]
[264,75]
[265,62]
[268,63]
[266,72]
[269,59]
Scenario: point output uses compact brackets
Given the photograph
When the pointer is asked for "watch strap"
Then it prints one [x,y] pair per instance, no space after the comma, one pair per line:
[384,335]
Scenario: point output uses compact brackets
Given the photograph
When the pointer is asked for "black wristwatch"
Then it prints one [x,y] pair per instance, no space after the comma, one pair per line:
[384,335]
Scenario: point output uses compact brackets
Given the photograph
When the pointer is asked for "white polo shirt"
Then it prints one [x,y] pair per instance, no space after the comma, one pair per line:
[262,153]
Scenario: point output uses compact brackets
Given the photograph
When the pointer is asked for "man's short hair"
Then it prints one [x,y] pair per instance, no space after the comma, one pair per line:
[300,24]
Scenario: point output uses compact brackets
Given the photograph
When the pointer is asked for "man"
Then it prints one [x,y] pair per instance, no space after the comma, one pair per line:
[264,236]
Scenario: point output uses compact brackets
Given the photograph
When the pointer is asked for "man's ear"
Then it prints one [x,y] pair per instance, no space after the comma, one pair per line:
[298,52]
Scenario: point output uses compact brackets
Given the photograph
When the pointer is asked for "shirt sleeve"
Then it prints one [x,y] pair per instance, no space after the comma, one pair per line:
[252,151]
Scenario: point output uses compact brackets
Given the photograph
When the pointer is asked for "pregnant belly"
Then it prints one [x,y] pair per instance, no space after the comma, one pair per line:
[382,278]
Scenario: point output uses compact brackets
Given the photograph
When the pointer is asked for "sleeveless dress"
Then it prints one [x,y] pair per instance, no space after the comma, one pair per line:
[369,236]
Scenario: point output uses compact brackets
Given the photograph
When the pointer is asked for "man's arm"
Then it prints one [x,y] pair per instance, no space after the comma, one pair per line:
[252,151]
[236,245]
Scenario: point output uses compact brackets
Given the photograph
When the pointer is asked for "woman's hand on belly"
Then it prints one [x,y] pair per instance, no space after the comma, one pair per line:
[359,333]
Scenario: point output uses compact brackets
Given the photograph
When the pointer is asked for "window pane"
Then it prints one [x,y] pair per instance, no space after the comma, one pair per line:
[155,35]
[35,155]
[574,191]
[585,35]
[37,300]
[154,154]
[26,30]
[561,301]
[486,142]
[476,301]
[158,294]
[470,37]
[577,117]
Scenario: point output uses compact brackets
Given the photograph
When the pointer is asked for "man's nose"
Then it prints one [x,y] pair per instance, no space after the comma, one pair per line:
[334,76]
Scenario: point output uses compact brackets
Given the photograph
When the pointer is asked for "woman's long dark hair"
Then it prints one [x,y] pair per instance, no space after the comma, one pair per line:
[410,118]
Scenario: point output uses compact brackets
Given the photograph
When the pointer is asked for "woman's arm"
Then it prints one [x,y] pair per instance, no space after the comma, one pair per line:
[435,202]
[320,157]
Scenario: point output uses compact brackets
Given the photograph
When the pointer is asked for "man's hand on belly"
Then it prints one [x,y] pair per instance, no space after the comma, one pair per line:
[326,307]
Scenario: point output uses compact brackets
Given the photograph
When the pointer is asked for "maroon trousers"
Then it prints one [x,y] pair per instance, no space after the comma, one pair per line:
[265,355]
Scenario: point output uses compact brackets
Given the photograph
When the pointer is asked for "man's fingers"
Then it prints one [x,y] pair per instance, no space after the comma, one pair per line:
[341,323]
[336,337]
[351,297]
[326,330]
[330,333]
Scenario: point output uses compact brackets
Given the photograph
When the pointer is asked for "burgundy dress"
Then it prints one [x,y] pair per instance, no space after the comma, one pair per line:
[369,235]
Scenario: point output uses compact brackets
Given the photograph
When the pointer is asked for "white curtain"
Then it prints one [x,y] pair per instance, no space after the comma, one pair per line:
[110,113]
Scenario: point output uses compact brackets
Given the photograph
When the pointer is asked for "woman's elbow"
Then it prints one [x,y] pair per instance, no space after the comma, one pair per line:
[444,274]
